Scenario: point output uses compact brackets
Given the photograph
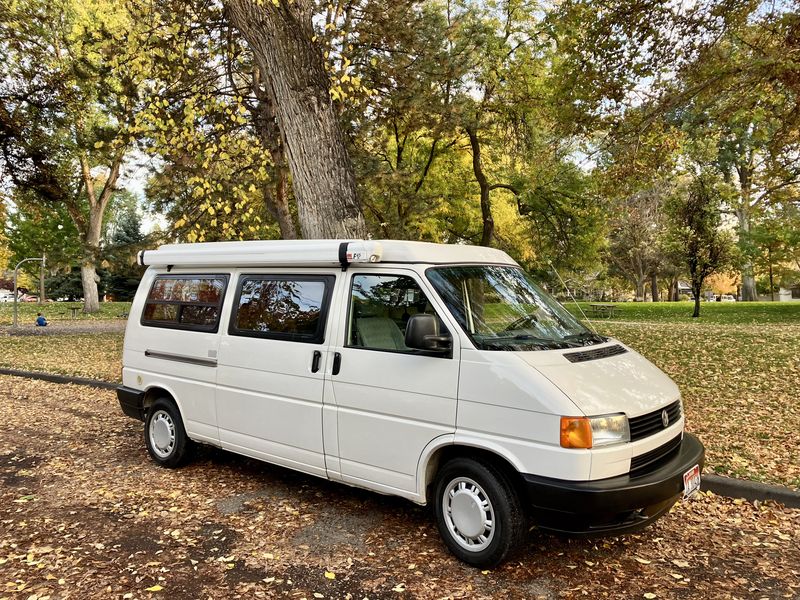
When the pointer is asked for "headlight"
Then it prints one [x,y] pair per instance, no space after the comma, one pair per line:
[588,432]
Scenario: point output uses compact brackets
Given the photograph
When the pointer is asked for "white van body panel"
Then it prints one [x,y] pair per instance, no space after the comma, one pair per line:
[626,383]
[269,402]
[191,385]
[504,404]
[316,253]
[388,401]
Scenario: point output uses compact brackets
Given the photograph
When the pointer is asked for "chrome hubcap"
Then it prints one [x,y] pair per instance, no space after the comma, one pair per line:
[162,434]
[468,513]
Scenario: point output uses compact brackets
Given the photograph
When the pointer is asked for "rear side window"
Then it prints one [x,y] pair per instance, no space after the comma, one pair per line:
[284,307]
[185,302]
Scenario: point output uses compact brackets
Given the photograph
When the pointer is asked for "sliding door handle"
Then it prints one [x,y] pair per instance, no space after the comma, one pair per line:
[337,363]
[315,361]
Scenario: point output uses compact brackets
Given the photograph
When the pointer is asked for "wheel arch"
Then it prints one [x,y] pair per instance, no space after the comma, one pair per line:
[445,448]
[157,390]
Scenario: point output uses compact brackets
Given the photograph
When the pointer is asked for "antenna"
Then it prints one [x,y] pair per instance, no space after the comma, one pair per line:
[591,325]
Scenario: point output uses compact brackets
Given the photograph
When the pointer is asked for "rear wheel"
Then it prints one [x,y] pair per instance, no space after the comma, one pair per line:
[165,436]
[478,511]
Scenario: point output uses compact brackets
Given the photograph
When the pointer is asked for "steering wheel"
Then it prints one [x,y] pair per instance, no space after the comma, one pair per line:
[523,322]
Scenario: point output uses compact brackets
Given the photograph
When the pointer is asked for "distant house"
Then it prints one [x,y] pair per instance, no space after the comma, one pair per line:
[788,294]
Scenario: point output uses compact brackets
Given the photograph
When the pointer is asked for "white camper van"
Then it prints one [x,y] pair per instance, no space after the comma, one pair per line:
[439,373]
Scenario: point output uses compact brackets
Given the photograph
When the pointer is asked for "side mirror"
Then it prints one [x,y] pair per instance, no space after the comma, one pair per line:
[422,333]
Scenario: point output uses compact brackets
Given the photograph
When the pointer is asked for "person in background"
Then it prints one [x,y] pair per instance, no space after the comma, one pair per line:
[40,320]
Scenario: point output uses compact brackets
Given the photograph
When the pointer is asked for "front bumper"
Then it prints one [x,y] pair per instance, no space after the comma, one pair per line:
[131,401]
[615,505]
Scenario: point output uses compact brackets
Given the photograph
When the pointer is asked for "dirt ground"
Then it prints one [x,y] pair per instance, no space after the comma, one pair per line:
[85,514]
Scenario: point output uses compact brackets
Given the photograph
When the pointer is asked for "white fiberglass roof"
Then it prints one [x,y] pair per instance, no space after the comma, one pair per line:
[318,253]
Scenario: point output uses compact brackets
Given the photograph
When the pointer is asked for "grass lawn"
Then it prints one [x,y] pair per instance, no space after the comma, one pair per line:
[59,311]
[723,313]
[93,355]
[739,381]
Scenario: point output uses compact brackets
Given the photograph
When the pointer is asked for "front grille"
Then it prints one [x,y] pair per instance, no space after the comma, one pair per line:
[604,352]
[651,423]
[647,459]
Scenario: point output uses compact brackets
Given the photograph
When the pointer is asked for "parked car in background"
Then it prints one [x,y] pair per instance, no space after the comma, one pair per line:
[727,298]
[6,296]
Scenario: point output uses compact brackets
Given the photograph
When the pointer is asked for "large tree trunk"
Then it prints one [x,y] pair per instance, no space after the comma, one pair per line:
[696,287]
[654,287]
[749,293]
[266,126]
[89,278]
[280,36]
[91,252]
[487,233]
[744,171]
[639,281]
[91,229]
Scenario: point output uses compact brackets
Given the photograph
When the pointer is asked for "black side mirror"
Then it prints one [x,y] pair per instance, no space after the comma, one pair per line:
[422,333]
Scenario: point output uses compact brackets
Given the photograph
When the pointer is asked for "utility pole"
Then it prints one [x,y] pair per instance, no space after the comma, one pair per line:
[16,270]
[42,296]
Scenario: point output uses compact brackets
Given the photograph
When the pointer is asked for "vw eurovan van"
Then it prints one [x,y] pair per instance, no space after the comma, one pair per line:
[440,373]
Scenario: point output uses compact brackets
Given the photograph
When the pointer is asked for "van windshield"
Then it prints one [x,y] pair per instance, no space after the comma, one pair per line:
[501,308]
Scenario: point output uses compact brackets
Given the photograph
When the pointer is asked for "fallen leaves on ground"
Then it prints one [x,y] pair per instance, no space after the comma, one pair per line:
[101,520]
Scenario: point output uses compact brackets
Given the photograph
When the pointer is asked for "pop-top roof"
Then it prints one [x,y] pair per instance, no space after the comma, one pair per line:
[318,253]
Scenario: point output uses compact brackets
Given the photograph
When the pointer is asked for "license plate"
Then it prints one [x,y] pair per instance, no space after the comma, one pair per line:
[691,481]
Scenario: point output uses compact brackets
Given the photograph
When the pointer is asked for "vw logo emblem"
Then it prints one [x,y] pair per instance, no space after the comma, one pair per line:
[665,418]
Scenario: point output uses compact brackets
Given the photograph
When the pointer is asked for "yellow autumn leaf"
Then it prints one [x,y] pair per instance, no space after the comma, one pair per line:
[650,595]
[330,575]
[155,588]
[98,144]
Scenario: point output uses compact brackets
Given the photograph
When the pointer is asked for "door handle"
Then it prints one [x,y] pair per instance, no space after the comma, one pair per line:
[337,363]
[315,361]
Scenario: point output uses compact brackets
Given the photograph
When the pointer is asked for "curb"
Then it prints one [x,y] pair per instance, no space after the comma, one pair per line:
[717,484]
[750,490]
[53,378]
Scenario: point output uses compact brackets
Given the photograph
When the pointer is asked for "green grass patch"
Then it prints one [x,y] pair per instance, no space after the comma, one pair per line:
[742,313]
[59,311]
[93,355]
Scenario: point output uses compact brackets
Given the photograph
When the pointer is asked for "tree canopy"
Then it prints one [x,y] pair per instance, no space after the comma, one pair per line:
[562,133]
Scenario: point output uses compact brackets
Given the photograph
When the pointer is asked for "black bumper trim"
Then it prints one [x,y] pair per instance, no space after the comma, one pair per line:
[131,401]
[614,505]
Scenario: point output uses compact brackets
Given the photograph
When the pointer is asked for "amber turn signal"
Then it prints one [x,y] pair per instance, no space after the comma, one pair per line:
[576,432]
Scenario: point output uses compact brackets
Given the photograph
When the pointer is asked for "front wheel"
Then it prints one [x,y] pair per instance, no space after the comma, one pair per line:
[478,511]
[165,436]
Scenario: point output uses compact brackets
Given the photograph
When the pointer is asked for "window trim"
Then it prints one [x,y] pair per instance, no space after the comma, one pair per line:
[225,277]
[317,338]
[411,351]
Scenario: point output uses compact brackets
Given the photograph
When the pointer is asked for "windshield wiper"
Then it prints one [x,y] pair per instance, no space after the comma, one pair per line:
[532,340]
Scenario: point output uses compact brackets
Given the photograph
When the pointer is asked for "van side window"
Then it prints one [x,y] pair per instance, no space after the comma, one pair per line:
[282,307]
[185,302]
[380,307]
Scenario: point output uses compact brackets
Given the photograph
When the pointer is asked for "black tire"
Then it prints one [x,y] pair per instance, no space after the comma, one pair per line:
[476,481]
[165,436]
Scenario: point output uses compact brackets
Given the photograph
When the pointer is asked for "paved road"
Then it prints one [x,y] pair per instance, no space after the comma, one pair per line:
[84,514]
[67,327]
